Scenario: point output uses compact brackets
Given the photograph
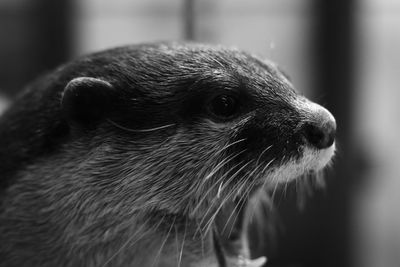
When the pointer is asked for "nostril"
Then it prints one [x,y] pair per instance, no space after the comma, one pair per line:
[320,136]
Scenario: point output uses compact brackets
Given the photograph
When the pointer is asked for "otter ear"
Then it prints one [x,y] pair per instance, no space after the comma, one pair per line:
[85,101]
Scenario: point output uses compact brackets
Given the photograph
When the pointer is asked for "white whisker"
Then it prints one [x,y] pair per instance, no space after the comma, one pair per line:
[219,190]
[229,145]
[183,244]
[139,130]
[221,164]
[130,239]
[163,243]
[261,154]
[211,206]
[208,224]
[205,195]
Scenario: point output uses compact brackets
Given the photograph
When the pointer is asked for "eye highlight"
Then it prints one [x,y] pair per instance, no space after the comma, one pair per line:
[224,106]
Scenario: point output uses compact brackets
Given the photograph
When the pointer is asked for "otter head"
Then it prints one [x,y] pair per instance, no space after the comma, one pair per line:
[148,139]
[177,128]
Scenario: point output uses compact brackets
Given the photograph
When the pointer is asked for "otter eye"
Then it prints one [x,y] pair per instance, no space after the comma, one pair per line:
[224,106]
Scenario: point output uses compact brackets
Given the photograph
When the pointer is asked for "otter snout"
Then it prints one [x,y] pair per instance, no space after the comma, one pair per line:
[320,131]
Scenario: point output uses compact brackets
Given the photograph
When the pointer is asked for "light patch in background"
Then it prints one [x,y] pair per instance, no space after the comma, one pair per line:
[278,30]
[4,103]
[101,24]
[376,210]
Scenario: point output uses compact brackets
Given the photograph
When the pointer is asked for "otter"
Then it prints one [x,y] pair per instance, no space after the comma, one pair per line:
[150,155]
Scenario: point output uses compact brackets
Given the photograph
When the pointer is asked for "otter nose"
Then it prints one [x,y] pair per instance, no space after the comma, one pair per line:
[320,136]
[321,133]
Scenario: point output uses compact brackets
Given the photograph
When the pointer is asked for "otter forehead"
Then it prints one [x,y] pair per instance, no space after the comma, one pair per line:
[154,78]
[170,68]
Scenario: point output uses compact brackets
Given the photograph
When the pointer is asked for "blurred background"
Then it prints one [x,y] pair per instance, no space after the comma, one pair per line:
[343,54]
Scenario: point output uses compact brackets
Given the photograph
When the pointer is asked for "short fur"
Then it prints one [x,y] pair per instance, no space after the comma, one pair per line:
[148,175]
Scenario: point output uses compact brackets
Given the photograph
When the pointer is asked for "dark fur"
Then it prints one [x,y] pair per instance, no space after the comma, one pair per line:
[83,190]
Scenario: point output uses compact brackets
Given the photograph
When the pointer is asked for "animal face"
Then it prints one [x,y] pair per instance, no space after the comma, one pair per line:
[198,122]
[98,156]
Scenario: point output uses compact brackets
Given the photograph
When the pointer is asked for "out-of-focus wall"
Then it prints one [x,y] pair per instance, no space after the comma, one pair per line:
[34,38]
[100,24]
[376,211]
[279,30]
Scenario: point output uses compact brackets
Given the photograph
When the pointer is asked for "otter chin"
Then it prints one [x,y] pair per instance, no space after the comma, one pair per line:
[145,155]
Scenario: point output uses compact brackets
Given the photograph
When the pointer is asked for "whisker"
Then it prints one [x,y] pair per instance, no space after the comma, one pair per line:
[131,238]
[275,188]
[261,154]
[238,207]
[285,188]
[201,238]
[177,244]
[141,130]
[217,182]
[235,174]
[183,244]
[211,206]
[252,211]
[226,199]
[229,145]
[241,201]
[219,190]
[206,227]
[234,208]
[249,175]
[266,166]
[163,243]
[222,163]
[246,193]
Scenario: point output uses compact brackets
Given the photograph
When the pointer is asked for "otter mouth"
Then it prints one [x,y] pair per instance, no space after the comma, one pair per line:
[229,248]
[229,237]
[225,259]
